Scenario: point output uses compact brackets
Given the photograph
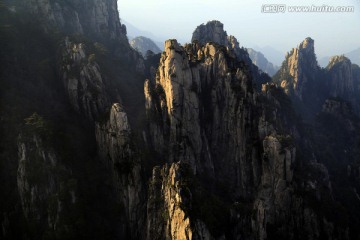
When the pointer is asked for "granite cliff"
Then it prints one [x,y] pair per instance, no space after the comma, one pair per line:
[205,117]
[213,31]
[299,70]
[309,85]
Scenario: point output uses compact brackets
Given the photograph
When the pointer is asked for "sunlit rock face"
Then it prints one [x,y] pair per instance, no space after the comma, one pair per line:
[300,69]
[309,85]
[193,102]
[204,114]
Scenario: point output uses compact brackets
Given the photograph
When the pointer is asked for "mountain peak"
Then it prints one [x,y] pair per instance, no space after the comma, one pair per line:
[299,68]
[338,59]
[143,45]
[308,43]
[212,31]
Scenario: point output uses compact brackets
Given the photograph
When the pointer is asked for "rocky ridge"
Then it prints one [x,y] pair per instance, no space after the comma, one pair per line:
[259,60]
[83,80]
[299,70]
[213,31]
[118,153]
[143,45]
[343,80]
[257,168]
[47,189]
[309,85]
[99,19]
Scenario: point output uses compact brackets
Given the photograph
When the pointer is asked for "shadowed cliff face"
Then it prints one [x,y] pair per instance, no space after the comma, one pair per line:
[343,80]
[69,61]
[97,19]
[117,151]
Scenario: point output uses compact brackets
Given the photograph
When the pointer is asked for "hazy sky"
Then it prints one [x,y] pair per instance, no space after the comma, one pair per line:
[334,33]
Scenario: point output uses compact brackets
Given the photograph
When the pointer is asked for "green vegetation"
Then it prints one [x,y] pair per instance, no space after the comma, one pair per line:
[213,211]
[100,49]
[286,141]
[125,166]
[35,124]
[92,58]
[206,206]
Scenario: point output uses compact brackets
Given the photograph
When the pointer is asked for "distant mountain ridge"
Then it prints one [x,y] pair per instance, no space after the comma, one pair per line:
[133,32]
[144,44]
[354,57]
[307,83]
[261,61]
[273,55]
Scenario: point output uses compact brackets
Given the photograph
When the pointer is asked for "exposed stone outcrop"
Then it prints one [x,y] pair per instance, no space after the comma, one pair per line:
[299,71]
[213,32]
[83,80]
[143,45]
[213,159]
[172,92]
[118,153]
[276,201]
[46,187]
[341,82]
[309,85]
[34,159]
[93,18]
[203,112]
[199,112]
[274,197]
[97,21]
[169,205]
